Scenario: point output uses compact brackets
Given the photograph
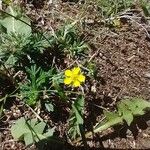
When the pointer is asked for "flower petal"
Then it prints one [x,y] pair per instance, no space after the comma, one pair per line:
[76,83]
[76,70]
[81,78]
[68,73]
[67,81]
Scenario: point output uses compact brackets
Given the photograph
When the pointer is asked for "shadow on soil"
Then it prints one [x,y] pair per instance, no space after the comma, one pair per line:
[119,131]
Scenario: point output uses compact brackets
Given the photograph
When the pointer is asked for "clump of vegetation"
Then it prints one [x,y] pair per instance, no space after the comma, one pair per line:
[30,131]
[34,63]
[110,8]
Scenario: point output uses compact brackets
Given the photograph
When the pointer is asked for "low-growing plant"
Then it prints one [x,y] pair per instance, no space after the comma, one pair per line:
[68,40]
[39,42]
[76,119]
[109,8]
[11,49]
[15,21]
[126,111]
[146,7]
[20,47]
[19,42]
[36,80]
[14,35]
[30,131]
[57,82]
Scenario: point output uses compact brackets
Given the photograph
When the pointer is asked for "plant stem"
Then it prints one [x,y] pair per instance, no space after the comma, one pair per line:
[100,129]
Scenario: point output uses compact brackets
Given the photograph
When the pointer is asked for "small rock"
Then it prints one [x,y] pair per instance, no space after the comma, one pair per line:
[147,75]
[148,123]
[89,21]
[105,144]
[129,132]
[50,1]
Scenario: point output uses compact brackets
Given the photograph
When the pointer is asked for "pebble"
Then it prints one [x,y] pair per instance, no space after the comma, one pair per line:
[89,21]
[147,75]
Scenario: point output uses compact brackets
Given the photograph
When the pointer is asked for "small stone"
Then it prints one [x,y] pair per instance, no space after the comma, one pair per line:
[147,75]
[129,132]
[105,144]
[50,1]
[148,123]
[89,21]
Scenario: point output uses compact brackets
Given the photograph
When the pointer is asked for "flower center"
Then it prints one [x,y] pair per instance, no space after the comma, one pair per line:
[74,77]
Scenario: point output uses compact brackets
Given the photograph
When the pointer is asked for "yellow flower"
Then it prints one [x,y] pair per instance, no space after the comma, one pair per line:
[74,77]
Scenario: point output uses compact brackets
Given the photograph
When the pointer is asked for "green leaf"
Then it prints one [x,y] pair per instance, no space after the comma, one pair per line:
[32,122]
[137,105]
[142,104]
[112,118]
[31,131]
[145,7]
[49,133]
[3,29]
[78,107]
[28,138]
[101,126]
[36,80]
[76,118]
[78,115]
[110,115]
[14,25]
[11,61]
[46,135]
[125,112]
[39,128]
[19,128]
[49,107]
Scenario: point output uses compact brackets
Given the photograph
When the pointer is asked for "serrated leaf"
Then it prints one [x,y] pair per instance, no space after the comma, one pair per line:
[78,109]
[137,105]
[125,112]
[19,128]
[31,131]
[78,115]
[127,109]
[79,103]
[76,118]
